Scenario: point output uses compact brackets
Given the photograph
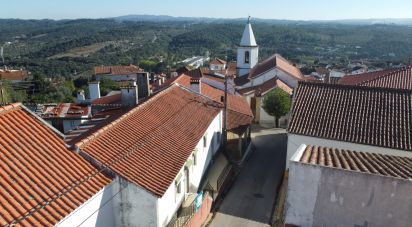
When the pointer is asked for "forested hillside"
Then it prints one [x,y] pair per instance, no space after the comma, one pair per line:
[69,47]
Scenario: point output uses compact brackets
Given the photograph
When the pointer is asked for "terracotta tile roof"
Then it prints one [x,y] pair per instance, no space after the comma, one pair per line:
[361,79]
[98,121]
[237,104]
[157,137]
[241,80]
[372,116]
[379,164]
[35,167]
[108,99]
[217,61]
[240,113]
[276,61]
[64,110]
[13,74]
[267,86]
[116,70]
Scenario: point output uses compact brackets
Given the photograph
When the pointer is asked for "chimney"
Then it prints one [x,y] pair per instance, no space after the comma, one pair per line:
[130,95]
[195,85]
[80,96]
[159,81]
[94,90]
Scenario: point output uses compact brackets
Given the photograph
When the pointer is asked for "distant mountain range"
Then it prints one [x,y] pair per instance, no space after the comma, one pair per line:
[165,18]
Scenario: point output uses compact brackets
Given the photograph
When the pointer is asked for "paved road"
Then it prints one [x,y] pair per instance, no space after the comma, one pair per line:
[250,200]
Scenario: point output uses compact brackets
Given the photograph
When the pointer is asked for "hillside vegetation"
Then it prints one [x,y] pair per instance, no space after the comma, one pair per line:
[69,47]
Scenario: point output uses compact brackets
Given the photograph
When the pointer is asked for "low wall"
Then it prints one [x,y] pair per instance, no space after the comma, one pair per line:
[322,196]
[201,215]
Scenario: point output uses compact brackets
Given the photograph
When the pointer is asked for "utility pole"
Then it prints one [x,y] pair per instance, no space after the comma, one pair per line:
[2,54]
[1,93]
[225,114]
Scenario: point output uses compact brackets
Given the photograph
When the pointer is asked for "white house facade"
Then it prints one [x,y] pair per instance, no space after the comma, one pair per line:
[165,165]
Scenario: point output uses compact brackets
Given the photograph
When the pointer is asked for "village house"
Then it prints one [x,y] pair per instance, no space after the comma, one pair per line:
[63,116]
[217,64]
[360,118]
[240,116]
[14,76]
[122,73]
[42,182]
[340,187]
[160,153]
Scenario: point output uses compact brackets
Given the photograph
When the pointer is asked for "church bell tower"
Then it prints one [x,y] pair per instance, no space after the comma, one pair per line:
[247,52]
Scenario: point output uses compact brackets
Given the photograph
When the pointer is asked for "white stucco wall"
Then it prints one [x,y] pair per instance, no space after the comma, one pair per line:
[294,141]
[123,77]
[253,59]
[286,78]
[323,196]
[169,203]
[134,206]
[97,211]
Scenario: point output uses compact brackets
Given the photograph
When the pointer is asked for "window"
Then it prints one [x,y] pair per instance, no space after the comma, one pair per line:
[194,159]
[205,141]
[179,188]
[247,57]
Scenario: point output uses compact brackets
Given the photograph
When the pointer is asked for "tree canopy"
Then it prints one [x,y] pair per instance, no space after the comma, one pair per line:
[277,103]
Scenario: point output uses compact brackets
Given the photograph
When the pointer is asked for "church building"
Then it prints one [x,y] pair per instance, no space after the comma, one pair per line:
[247,52]
[254,80]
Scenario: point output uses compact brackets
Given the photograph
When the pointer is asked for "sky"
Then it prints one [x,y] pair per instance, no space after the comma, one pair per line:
[267,9]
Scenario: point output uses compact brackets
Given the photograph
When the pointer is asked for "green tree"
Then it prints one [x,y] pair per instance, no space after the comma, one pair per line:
[147,65]
[107,85]
[10,95]
[277,104]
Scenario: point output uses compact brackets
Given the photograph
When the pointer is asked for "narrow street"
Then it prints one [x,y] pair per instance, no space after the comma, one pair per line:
[250,200]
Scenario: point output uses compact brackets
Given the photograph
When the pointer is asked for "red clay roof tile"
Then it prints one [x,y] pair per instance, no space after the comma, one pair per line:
[158,136]
[379,164]
[275,61]
[35,167]
[390,78]
[116,70]
[372,116]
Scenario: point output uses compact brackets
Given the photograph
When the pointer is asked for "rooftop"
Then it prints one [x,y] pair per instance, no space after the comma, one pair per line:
[117,69]
[391,78]
[267,86]
[218,61]
[37,169]
[276,61]
[13,74]
[239,113]
[143,141]
[248,38]
[371,116]
[378,164]
[62,110]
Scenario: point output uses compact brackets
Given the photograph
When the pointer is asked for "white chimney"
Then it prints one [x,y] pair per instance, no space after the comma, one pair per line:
[196,85]
[130,95]
[94,90]
[80,96]
[159,81]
